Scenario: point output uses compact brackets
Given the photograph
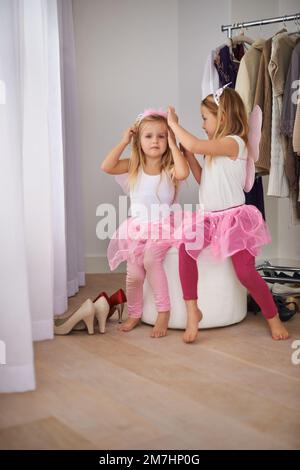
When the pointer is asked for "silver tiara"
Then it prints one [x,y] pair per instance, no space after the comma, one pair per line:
[219,92]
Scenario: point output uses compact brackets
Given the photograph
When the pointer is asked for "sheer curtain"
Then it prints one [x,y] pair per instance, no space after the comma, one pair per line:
[35,206]
[74,218]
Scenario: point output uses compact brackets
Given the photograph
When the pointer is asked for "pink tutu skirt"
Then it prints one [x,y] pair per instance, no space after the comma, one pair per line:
[133,238]
[225,232]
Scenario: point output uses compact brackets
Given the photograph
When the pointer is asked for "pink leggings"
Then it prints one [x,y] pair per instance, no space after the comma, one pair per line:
[156,277]
[244,266]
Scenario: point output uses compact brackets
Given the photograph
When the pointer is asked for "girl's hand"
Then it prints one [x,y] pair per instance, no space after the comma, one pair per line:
[127,136]
[171,138]
[172,116]
[186,153]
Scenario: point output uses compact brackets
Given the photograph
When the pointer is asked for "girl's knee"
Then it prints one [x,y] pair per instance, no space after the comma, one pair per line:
[134,279]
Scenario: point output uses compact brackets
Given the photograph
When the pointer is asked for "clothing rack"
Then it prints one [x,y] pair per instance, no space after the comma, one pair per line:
[266,266]
[279,19]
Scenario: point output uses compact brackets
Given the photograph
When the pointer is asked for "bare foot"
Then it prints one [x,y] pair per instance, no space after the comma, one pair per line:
[278,330]
[194,316]
[129,324]
[161,325]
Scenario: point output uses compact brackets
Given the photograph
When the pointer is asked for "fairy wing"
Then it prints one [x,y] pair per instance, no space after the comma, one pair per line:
[122,180]
[254,135]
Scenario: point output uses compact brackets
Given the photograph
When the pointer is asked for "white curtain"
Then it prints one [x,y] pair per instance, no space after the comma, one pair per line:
[17,374]
[74,218]
[34,201]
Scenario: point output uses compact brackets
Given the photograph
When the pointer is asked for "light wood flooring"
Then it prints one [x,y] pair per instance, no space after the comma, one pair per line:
[235,388]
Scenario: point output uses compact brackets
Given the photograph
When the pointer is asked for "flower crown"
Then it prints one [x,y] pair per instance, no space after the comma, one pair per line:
[219,92]
[150,112]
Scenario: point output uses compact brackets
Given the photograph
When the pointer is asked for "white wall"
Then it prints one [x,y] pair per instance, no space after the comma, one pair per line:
[196,37]
[132,54]
[127,61]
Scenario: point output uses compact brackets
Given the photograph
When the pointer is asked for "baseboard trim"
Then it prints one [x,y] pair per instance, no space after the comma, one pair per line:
[99,264]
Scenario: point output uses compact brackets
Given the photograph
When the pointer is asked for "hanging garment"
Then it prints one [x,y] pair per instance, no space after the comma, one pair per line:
[282,47]
[210,79]
[289,105]
[288,124]
[263,97]
[247,74]
[226,66]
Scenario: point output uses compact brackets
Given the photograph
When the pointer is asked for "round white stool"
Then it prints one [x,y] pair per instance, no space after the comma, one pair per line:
[221,297]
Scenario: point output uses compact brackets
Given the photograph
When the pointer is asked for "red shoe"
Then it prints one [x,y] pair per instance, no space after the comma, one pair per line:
[116,302]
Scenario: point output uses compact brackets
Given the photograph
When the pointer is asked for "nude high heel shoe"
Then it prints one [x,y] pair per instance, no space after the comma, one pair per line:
[85,313]
[102,310]
[116,304]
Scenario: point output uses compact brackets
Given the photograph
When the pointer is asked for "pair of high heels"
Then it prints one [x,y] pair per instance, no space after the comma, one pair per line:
[116,302]
[92,312]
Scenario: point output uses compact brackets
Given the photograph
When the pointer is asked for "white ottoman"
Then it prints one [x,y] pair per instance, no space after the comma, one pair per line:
[221,297]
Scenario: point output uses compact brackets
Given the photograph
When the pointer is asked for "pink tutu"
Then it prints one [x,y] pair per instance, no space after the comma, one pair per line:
[133,237]
[226,232]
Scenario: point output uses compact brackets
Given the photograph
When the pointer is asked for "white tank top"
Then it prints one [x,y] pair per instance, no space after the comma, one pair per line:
[151,196]
[223,179]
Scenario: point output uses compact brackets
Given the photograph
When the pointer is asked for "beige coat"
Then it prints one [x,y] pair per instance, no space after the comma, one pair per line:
[247,74]
[263,97]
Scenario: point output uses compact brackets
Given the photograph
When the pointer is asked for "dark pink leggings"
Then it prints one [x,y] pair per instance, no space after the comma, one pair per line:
[244,266]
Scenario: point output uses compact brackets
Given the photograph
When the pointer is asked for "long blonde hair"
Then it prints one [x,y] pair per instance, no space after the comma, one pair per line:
[138,159]
[231,115]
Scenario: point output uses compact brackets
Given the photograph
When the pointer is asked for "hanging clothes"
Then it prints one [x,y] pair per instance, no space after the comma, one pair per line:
[288,125]
[289,105]
[247,74]
[282,47]
[263,98]
[210,79]
[227,64]
[261,74]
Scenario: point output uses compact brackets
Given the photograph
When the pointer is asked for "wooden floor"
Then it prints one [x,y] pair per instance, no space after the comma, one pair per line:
[235,388]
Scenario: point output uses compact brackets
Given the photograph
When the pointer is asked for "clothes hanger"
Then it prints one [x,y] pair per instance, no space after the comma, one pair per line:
[242,38]
[284,28]
[297,24]
[238,39]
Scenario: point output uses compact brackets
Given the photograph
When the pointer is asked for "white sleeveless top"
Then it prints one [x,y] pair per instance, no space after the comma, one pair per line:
[223,179]
[151,196]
